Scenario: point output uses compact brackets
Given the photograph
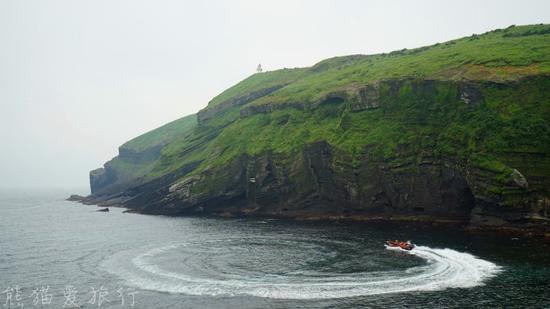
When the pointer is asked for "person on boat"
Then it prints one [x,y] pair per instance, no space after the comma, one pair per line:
[400,244]
[393,243]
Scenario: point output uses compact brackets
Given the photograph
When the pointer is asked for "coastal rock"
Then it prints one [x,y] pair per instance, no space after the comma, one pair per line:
[519,179]
[102,178]
[76,198]
[321,183]
[366,98]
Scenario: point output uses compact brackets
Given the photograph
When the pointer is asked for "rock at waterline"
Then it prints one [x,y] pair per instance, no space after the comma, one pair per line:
[75,198]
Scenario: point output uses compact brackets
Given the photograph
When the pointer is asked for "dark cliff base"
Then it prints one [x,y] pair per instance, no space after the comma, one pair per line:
[413,222]
[322,183]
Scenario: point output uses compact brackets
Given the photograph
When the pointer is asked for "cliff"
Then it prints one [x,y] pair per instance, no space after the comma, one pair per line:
[454,132]
[136,158]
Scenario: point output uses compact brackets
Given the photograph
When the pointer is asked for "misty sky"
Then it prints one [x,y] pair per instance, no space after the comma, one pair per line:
[79,78]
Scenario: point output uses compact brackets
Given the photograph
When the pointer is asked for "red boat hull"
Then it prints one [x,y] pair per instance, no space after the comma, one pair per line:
[400,244]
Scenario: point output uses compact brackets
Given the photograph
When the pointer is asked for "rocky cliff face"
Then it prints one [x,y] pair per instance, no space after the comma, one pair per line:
[111,177]
[136,158]
[101,178]
[466,144]
[320,182]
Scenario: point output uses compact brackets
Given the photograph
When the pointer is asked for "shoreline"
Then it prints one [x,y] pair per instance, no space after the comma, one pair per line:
[420,221]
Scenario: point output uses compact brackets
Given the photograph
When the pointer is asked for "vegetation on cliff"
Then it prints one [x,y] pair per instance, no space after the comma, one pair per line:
[511,119]
[138,156]
[162,135]
[478,106]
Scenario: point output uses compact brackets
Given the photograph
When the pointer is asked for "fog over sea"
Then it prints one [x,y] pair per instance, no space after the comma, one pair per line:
[55,254]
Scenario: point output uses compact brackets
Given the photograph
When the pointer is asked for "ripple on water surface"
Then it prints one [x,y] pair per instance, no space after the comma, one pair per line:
[295,268]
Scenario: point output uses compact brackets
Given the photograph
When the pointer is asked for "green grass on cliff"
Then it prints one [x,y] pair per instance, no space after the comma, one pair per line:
[257,82]
[410,125]
[514,119]
[143,161]
[500,55]
[162,135]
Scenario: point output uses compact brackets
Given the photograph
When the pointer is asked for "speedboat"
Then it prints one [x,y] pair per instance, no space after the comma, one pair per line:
[405,245]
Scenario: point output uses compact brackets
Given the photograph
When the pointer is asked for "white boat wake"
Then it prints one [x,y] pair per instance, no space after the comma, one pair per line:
[443,269]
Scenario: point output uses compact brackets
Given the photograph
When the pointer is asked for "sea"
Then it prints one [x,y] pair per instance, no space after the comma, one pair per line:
[60,254]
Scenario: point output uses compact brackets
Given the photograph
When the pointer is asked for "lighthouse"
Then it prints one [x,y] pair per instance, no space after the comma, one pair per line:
[259,68]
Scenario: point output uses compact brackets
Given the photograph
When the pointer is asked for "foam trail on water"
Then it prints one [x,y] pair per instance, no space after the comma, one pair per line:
[444,268]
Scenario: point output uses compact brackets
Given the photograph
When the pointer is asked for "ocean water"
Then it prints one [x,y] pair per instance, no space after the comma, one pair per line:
[60,254]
